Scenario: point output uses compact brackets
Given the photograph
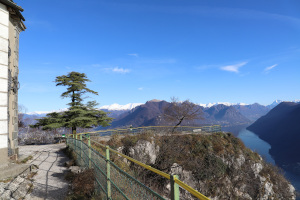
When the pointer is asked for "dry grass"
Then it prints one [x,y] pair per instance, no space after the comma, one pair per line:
[31,175]
[26,160]
[6,180]
[83,185]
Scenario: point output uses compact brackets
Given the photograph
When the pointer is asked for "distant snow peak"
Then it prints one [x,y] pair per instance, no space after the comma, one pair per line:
[221,103]
[116,106]
[46,112]
[276,102]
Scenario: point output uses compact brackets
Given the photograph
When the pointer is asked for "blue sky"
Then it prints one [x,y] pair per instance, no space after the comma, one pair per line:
[134,51]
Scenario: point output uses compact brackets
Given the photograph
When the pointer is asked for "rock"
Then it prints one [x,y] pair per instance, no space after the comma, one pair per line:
[197,130]
[2,187]
[240,161]
[76,169]
[22,190]
[144,151]
[292,191]
[256,167]
[69,163]
[12,186]
[5,195]
[268,190]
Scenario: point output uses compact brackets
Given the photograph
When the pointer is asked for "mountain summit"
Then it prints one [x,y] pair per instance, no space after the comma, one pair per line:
[116,106]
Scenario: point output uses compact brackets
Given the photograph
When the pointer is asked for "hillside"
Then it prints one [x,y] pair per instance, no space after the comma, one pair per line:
[143,115]
[281,129]
[217,165]
[252,111]
[224,115]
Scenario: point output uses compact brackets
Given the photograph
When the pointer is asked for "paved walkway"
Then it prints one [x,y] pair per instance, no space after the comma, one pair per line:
[49,182]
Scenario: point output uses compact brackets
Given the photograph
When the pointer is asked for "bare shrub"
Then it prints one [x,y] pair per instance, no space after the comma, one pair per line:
[84,183]
[35,136]
[178,111]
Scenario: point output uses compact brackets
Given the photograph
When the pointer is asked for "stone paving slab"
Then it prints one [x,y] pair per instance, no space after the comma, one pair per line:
[49,182]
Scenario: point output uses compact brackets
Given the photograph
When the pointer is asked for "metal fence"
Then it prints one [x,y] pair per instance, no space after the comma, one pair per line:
[114,183]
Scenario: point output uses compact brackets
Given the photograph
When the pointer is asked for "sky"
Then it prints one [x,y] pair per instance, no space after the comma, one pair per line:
[134,51]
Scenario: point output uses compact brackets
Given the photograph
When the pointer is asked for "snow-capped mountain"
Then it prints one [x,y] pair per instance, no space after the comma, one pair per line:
[46,112]
[208,105]
[276,102]
[130,106]
[116,106]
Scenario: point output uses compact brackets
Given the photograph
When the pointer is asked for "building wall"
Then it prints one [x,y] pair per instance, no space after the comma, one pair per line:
[4,35]
[13,72]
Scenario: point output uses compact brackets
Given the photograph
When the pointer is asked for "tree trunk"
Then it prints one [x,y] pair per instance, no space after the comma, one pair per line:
[177,124]
[74,130]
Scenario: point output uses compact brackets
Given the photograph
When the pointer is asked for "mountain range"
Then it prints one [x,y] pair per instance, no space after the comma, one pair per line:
[130,106]
[117,107]
[232,116]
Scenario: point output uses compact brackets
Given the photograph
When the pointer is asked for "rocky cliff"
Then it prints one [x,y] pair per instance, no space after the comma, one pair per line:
[218,165]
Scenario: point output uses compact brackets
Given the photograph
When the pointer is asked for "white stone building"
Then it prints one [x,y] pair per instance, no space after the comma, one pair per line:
[11,24]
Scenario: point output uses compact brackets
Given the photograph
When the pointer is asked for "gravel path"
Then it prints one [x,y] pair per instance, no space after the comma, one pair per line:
[49,182]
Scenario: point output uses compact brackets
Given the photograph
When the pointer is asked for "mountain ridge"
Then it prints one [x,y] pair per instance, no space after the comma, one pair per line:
[151,114]
[129,106]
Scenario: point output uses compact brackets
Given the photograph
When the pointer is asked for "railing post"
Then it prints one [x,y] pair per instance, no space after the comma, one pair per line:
[108,173]
[174,188]
[90,152]
[80,137]
[75,143]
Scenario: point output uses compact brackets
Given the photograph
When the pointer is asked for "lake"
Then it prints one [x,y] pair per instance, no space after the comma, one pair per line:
[252,141]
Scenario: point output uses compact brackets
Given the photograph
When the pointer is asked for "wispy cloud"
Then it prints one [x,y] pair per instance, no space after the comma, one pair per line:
[140,88]
[119,70]
[233,68]
[268,69]
[158,61]
[133,54]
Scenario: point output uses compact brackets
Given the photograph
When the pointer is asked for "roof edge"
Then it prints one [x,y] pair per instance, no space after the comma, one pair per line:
[12,4]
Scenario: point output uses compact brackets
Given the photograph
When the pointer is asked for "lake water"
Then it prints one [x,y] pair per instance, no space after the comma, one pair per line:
[253,142]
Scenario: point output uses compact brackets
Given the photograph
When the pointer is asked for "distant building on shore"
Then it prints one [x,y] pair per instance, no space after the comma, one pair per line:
[11,24]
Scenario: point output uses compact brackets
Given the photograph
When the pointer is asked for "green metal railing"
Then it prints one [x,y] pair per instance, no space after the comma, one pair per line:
[205,129]
[113,182]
